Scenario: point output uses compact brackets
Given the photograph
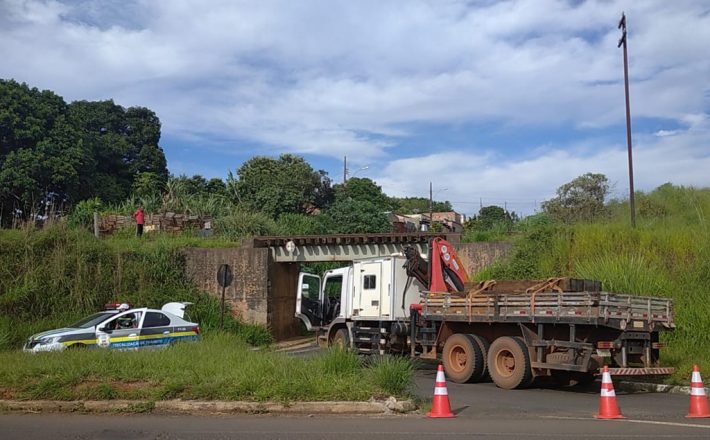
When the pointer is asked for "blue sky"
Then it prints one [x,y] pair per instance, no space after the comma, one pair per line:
[493,102]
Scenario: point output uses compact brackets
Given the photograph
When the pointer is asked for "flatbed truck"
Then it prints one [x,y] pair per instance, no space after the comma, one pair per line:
[511,331]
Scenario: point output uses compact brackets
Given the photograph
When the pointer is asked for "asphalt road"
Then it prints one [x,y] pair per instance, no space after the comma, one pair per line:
[482,410]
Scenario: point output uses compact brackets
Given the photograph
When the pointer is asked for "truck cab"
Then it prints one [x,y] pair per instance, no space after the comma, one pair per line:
[368,296]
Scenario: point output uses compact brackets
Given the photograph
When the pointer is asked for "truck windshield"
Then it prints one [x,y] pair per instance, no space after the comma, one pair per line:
[92,320]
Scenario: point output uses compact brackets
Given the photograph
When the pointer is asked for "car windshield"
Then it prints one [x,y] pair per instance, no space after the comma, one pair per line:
[92,320]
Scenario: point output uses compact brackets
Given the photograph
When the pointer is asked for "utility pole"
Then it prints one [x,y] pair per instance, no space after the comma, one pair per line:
[431,206]
[622,42]
[345,169]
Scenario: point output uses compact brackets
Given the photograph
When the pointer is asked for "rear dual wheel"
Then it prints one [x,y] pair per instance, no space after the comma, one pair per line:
[509,363]
[464,358]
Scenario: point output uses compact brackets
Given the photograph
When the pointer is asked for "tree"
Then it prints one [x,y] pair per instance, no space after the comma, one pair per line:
[418,205]
[279,186]
[582,199]
[53,151]
[121,144]
[360,207]
[490,217]
[357,217]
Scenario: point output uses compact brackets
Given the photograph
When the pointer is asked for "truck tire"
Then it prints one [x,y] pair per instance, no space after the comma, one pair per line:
[509,363]
[341,339]
[462,358]
[484,345]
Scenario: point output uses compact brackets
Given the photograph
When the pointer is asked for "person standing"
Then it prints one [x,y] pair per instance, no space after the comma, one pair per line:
[138,215]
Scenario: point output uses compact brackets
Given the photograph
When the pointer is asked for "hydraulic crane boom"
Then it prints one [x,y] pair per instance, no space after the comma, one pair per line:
[443,273]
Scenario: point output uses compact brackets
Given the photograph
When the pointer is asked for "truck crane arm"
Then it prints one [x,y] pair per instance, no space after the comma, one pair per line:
[444,271]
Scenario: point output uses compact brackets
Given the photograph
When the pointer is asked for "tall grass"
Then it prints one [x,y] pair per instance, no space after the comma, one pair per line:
[667,255]
[221,367]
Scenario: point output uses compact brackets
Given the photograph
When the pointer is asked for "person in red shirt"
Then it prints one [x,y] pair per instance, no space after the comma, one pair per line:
[138,215]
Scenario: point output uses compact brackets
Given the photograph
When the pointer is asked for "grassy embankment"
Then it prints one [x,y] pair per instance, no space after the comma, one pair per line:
[667,255]
[52,277]
[220,367]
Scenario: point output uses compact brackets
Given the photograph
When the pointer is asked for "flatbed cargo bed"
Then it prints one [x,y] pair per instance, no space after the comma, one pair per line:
[619,311]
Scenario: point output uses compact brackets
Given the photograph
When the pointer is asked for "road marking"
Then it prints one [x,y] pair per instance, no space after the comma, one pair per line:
[648,422]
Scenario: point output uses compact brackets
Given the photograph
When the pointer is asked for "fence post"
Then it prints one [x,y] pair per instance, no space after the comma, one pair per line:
[96,224]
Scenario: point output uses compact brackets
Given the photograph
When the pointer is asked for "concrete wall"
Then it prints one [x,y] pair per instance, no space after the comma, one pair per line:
[477,256]
[248,294]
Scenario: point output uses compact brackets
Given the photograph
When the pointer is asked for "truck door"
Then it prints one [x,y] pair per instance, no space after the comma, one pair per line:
[332,297]
[371,289]
[309,300]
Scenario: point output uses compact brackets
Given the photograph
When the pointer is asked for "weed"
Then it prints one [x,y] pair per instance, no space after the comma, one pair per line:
[392,374]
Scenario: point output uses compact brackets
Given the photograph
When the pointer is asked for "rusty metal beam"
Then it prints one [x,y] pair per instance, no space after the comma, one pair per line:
[393,238]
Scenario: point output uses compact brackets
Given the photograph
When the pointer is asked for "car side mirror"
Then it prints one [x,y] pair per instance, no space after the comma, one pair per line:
[103,329]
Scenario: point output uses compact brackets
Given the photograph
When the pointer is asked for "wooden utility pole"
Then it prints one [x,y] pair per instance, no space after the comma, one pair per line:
[622,42]
[345,169]
[431,206]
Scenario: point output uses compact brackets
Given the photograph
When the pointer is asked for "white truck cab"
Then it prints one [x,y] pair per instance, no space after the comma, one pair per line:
[369,290]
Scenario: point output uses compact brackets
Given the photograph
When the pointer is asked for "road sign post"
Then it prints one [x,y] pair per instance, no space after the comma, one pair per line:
[224,278]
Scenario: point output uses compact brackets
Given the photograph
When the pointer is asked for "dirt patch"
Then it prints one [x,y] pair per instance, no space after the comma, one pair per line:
[7,393]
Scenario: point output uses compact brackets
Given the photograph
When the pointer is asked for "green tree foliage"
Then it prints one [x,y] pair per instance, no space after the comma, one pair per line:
[303,224]
[418,205]
[198,185]
[119,144]
[491,216]
[53,151]
[360,207]
[582,199]
[279,186]
[492,223]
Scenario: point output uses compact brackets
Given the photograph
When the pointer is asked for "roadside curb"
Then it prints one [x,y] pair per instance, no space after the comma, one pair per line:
[201,407]
[655,388]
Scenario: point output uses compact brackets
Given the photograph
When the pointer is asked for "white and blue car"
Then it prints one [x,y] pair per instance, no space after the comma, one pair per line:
[120,329]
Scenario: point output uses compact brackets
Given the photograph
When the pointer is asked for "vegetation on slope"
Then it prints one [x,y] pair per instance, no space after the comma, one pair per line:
[57,275]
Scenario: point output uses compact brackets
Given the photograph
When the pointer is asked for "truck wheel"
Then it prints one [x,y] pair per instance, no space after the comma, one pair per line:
[341,339]
[484,345]
[509,363]
[462,358]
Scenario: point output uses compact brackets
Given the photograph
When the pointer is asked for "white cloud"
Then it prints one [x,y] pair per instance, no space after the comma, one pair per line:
[331,78]
[472,179]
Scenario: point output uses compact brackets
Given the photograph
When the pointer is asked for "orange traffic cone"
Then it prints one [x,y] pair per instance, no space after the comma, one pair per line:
[698,399]
[608,408]
[440,407]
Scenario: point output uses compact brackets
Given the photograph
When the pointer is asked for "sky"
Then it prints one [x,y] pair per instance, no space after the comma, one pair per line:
[493,102]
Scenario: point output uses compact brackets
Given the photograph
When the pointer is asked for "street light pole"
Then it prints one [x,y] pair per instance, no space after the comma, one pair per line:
[622,42]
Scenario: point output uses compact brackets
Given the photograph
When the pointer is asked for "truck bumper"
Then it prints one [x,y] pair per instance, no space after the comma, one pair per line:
[654,371]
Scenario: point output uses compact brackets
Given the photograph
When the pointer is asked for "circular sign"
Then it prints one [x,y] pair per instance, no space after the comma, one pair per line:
[290,246]
[224,275]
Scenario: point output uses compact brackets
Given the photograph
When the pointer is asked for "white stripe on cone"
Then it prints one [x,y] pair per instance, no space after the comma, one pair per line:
[440,377]
[440,391]
[696,377]
[695,391]
[608,393]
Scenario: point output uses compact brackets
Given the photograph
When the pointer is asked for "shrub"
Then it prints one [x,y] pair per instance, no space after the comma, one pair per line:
[83,212]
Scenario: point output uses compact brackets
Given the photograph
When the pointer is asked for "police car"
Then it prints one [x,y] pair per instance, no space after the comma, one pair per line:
[121,327]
